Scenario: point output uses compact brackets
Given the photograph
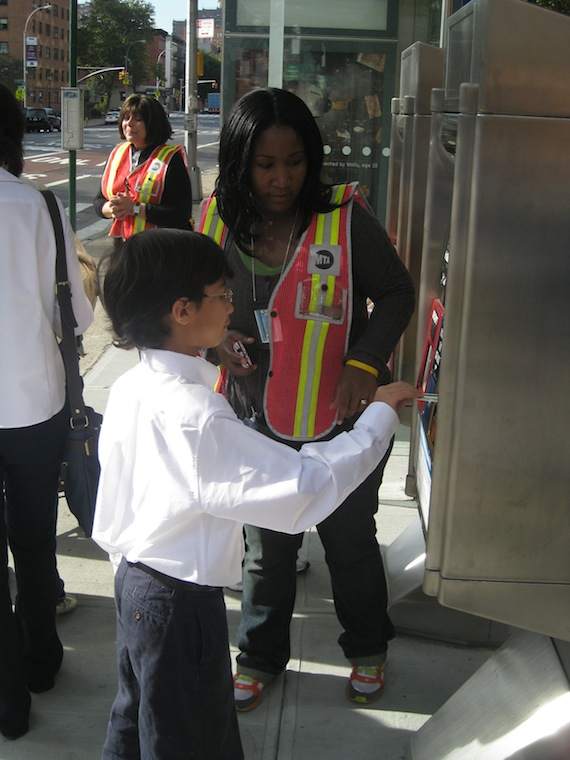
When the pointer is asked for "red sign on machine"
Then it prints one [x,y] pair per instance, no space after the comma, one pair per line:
[430,345]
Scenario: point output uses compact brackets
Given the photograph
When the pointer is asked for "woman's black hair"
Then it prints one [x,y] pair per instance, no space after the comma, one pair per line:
[253,114]
[158,128]
[12,127]
[149,273]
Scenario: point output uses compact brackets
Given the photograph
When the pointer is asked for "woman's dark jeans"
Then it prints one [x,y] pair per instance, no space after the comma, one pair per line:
[30,650]
[357,576]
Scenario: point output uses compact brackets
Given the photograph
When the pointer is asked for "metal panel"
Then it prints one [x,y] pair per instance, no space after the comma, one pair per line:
[421,71]
[448,374]
[439,187]
[394,169]
[499,503]
[524,72]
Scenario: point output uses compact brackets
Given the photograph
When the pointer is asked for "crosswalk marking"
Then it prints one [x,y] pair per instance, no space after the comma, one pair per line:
[64,181]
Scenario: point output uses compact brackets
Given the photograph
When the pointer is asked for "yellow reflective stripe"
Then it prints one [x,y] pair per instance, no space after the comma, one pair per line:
[120,152]
[297,427]
[316,332]
[219,231]
[316,384]
[145,193]
[319,229]
[151,175]
[209,215]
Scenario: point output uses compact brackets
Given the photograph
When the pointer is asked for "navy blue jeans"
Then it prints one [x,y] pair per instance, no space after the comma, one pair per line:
[30,650]
[357,577]
[175,695]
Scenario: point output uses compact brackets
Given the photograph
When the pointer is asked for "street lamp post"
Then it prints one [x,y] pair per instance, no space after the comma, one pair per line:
[41,8]
[159,56]
[129,45]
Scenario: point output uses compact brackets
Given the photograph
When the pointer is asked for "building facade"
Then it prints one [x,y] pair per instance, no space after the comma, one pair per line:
[342,59]
[47,45]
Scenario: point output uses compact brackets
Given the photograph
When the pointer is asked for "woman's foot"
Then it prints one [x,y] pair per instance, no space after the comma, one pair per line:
[16,723]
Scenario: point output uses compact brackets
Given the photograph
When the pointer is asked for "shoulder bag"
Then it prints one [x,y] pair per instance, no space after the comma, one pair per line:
[80,467]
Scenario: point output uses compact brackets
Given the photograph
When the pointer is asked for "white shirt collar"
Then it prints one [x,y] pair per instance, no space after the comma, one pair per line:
[191,368]
[6,176]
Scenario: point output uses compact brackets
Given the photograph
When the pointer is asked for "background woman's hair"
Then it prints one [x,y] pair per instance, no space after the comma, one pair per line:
[253,114]
[149,273]
[12,125]
[157,125]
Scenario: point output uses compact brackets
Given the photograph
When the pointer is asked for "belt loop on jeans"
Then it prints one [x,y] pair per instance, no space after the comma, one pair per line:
[168,580]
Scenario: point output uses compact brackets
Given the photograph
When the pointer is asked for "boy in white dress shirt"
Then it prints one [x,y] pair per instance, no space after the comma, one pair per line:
[180,475]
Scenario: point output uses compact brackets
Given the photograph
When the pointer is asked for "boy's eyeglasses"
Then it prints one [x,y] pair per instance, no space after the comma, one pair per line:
[227,295]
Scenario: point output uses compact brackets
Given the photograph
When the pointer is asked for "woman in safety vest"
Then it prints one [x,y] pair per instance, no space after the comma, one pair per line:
[302,357]
[145,183]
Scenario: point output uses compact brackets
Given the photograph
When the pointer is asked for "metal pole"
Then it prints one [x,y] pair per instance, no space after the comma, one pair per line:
[24,62]
[191,109]
[73,83]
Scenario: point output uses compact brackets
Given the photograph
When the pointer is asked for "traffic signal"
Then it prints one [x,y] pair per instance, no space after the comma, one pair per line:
[200,63]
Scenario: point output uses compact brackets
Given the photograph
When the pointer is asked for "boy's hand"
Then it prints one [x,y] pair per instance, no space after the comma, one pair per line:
[395,394]
[230,358]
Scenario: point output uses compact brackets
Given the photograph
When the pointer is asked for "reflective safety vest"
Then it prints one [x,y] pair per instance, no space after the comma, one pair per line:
[144,185]
[310,314]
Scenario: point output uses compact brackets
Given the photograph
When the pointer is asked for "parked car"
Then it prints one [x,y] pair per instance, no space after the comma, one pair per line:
[54,119]
[112,117]
[37,120]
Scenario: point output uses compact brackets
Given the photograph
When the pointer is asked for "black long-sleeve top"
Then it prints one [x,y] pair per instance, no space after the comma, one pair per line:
[175,207]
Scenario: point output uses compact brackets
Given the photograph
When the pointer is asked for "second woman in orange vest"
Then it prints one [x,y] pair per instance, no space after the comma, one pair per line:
[306,258]
[145,183]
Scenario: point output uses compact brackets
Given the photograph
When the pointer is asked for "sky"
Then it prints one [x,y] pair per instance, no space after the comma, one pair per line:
[167,10]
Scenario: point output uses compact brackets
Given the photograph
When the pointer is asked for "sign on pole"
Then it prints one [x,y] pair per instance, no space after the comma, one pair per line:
[31,52]
[71,118]
[205,28]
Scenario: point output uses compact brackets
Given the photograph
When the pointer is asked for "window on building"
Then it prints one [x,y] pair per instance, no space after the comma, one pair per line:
[40,27]
[55,54]
[54,11]
[3,24]
[40,74]
[40,51]
[47,51]
[3,2]
[56,75]
[4,48]
[48,30]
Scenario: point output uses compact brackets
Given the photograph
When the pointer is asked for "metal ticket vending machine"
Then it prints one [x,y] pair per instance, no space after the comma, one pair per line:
[421,70]
[492,456]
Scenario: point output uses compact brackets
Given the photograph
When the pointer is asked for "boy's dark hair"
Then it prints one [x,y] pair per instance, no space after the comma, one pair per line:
[149,273]
[253,114]
[11,132]
[151,111]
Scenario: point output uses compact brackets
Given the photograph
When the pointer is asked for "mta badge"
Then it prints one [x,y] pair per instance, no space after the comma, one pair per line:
[324,259]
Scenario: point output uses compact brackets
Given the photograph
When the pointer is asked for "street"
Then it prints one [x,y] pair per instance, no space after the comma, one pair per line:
[46,164]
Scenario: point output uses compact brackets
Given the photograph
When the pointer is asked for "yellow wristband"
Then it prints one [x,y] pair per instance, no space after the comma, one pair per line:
[363,366]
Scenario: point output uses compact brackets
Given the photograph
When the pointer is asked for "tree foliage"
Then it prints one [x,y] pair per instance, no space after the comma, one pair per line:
[10,71]
[109,31]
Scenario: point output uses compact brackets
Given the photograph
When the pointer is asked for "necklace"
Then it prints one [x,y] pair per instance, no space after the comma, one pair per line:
[283,264]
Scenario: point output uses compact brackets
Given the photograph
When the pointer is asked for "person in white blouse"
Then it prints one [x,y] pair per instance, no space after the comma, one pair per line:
[33,426]
[180,474]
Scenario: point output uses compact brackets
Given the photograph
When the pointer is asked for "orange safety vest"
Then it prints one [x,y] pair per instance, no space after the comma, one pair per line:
[144,185]
[310,313]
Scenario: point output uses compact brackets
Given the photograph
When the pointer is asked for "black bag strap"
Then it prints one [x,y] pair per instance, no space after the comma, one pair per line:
[68,323]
